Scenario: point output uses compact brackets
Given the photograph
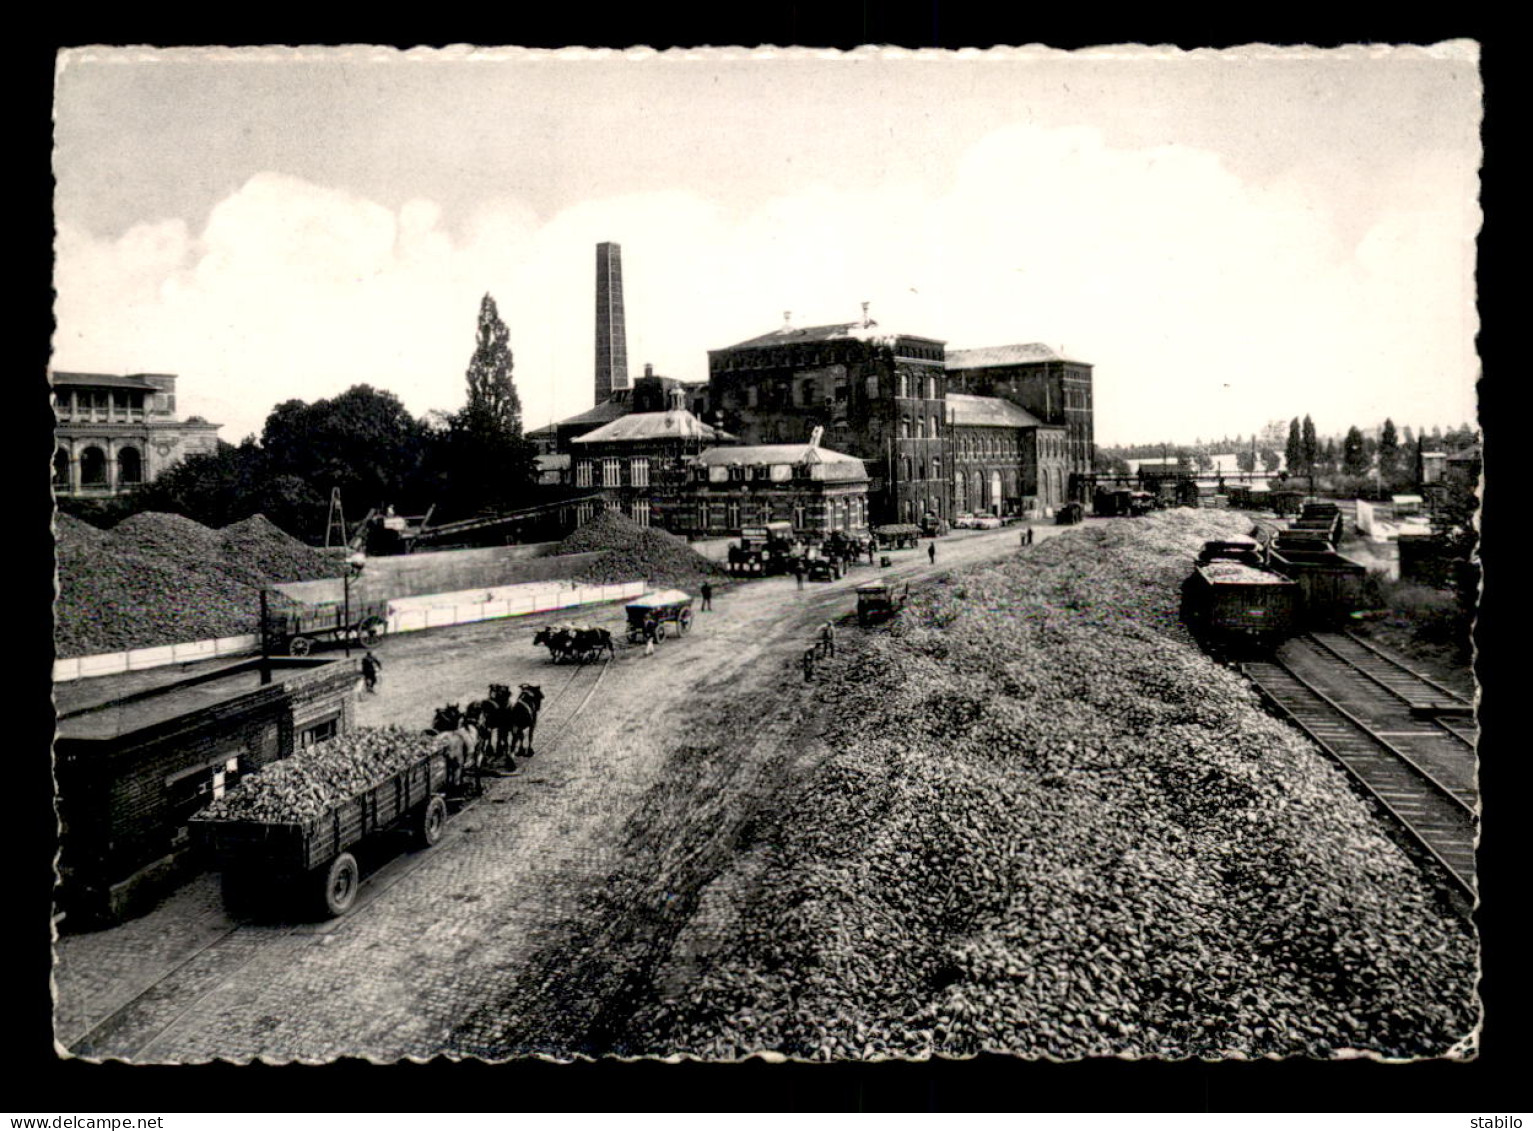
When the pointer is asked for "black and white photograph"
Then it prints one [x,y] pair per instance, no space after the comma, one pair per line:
[710,554]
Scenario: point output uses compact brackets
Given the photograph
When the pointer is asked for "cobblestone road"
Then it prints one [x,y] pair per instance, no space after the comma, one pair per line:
[439,934]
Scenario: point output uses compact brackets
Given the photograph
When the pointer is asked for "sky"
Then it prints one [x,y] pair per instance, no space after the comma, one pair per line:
[1229,237]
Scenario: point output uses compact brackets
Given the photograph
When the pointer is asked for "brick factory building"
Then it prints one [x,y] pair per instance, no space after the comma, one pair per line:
[115,433]
[815,489]
[642,462]
[1054,388]
[1005,460]
[878,396]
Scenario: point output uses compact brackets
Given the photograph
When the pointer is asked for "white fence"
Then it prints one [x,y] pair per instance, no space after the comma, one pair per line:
[407,614]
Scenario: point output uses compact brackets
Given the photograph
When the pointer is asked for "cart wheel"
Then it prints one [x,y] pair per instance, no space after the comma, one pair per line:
[371,630]
[660,631]
[300,646]
[340,885]
[433,820]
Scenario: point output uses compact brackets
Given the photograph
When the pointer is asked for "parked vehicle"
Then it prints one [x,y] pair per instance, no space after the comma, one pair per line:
[879,600]
[964,521]
[666,609]
[898,536]
[988,522]
[1069,514]
[933,526]
[295,628]
[762,551]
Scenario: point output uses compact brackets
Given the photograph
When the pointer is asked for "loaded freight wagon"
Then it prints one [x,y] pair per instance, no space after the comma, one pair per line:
[1332,586]
[288,836]
[1237,604]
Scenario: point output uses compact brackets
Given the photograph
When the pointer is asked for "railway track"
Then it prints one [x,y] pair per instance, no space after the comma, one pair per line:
[133,1029]
[1321,694]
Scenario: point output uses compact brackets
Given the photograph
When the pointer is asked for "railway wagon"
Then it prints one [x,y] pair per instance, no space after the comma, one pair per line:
[311,863]
[1332,586]
[1235,604]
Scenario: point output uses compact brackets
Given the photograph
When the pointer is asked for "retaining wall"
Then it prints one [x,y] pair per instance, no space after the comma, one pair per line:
[408,614]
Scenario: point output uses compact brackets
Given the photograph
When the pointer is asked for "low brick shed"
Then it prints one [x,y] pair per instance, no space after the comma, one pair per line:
[132,769]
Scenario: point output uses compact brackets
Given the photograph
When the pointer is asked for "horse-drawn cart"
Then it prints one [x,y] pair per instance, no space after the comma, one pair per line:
[660,608]
[310,861]
[295,627]
[879,600]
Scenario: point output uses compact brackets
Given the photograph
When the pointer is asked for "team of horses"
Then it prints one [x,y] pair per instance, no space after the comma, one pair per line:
[488,735]
[575,642]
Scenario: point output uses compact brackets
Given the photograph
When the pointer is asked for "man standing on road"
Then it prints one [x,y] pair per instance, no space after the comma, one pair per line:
[707,592]
[931,552]
[371,665]
[1029,535]
[828,638]
[798,573]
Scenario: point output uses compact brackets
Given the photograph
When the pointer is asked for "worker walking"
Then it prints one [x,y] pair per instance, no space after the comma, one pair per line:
[707,592]
[798,573]
[371,665]
[931,552]
[828,638]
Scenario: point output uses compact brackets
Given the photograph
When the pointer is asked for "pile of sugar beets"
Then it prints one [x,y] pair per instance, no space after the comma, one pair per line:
[314,780]
[1040,822]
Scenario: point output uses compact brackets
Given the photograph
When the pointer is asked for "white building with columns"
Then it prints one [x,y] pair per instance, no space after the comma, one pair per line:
[114,433]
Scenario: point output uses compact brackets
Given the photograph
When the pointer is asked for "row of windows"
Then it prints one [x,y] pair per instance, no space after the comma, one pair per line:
[93,467]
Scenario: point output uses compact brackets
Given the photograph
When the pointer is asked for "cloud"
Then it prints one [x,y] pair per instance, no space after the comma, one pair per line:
[1208,304]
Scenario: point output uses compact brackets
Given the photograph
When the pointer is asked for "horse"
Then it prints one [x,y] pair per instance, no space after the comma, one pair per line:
[520,717]
[461,740]
[557,637]
[590,643]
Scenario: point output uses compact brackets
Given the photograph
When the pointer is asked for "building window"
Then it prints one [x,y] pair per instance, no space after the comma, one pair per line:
[936,430]
[130,467]
[638,472]
[736,473]
[751,396]
[93,467]
[584,513]
[936,467]
[319,732]
[904,428]
[871,385]
[641,511]
[762,472]
[583,473]
[611,473]
[732,515]
[806,393]
[798,516]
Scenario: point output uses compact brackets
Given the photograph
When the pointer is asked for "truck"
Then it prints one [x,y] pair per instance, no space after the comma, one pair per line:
[879,600]
[309,864]
[762,550]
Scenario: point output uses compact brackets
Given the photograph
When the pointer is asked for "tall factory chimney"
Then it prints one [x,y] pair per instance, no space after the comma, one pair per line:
[611,339]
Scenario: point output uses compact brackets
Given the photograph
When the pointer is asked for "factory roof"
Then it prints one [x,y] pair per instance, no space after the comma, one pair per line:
[989,412]
[103,381]
[837,465]
[610,409]
[838,331]
[674,424]
[1031,353]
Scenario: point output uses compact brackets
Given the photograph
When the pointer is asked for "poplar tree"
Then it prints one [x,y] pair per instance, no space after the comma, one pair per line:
[1293,451]
[1309,445]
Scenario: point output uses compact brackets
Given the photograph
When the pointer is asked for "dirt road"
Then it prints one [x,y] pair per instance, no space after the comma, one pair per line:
[524,929]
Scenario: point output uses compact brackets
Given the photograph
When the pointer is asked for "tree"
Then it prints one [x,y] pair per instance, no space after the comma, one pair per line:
[1245,459]
[493,406]
[483,457]
[1354,453]
[1328,455]
[363,441]
[1204,460]
[1407,437]
[1293,452]
[1309,446]
[1270,459]
[1389,453]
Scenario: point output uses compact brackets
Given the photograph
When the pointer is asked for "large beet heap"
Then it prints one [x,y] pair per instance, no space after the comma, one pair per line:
[1046,824]
[632,552]
[164,579]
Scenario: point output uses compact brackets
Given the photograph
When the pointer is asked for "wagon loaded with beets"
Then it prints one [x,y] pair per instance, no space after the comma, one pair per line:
[287,836]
